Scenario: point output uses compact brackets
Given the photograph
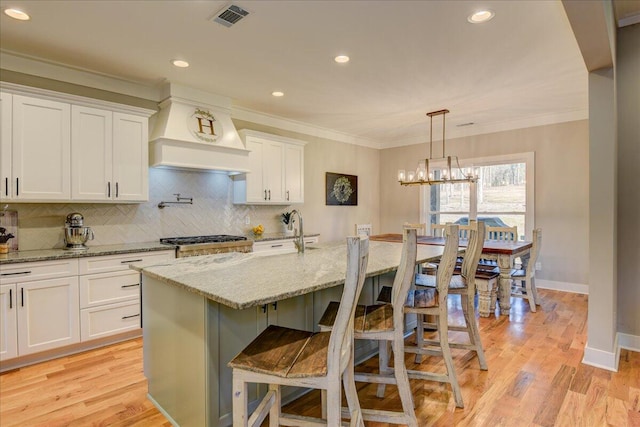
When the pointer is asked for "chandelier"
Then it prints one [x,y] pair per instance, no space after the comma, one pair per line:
[425,174]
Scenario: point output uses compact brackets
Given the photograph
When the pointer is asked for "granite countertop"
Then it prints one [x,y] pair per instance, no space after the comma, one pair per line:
[52,254]
[243,280]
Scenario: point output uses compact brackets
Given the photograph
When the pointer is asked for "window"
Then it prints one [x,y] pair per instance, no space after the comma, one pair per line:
[503,195]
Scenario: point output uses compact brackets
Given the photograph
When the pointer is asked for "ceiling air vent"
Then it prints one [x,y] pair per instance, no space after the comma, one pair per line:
[230,15]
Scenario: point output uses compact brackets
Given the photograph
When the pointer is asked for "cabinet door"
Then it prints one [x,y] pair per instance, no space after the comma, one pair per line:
[294,173]
[48,314]
[41,149]
[273,166]
[8,322]
[255,186]
[5,146]
[130,157]
[91,153]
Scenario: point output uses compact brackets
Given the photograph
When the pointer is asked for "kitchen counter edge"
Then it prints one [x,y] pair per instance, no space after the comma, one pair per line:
[53,254]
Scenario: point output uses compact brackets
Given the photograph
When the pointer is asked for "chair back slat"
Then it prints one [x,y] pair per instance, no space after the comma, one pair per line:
[404,275]
[363,229]
[341,340]
[474,250]
[447,262]
[535,251]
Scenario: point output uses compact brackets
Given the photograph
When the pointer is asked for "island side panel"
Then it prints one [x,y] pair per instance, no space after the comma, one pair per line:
[175,351]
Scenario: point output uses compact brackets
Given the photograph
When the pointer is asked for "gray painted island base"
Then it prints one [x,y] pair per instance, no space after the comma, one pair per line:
[199,312]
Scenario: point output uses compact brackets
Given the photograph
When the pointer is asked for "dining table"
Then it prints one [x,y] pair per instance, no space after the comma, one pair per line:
[504,252]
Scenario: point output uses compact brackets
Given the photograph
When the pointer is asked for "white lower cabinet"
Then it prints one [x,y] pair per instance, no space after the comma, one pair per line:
[39,308]
[8,322]
[52,304]
[110,293]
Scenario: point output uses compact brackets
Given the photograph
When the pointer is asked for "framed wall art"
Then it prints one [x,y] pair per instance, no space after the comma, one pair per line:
[342,190]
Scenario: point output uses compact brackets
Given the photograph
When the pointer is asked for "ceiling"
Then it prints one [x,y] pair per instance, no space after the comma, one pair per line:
[407,58]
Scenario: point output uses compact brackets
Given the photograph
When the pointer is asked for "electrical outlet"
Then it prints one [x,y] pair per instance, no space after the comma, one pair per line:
[247,220]
[538,266]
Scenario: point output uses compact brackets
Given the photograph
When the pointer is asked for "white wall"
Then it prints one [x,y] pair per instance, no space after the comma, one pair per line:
[561,189]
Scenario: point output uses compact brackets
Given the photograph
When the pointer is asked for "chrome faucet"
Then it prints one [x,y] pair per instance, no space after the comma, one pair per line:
[298,240]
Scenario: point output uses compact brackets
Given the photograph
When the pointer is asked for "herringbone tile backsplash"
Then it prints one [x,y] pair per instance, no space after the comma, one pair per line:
[40,225]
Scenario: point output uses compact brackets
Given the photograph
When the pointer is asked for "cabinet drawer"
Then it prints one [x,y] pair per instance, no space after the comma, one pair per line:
[282,246]
[108,320]
[103,264]
[30,271]
[107,288]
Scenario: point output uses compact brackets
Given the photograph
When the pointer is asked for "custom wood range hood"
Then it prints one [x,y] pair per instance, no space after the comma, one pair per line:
[193,130]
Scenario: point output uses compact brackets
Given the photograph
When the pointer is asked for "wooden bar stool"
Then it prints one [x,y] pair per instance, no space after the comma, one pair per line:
[432,301]
[385,323]
[289,357]
[464,285]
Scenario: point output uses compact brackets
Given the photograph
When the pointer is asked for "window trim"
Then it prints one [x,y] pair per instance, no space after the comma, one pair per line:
[528,158]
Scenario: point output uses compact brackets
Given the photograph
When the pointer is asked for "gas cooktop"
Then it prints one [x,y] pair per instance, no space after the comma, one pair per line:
[194,240]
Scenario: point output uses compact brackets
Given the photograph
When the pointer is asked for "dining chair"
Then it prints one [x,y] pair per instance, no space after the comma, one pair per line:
[385,324]
[432,301]
[523,280]
[289,357]
[363,229]
[421,227]
[502,233]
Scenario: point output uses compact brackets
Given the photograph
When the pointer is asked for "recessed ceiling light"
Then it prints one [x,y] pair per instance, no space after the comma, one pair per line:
[481,16]
[17,14]
[180,63]
[341,59]
[277,93]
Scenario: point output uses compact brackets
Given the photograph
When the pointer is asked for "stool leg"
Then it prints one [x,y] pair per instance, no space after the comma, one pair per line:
[419,335]
[443,332]
[472,329]
[240,401]
[274,412]
[402,380]
[334,402]
[351,394]
[323,399]
[383,364]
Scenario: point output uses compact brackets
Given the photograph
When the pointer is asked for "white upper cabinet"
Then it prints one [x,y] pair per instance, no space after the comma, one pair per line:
[130,157]
[109,155]
[6,176]
[92,153]
[66,148]
[41,149]
[277,170]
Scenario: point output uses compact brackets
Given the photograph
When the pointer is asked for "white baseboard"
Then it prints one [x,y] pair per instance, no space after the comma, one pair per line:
[602,359]
[629,342]
[576,288]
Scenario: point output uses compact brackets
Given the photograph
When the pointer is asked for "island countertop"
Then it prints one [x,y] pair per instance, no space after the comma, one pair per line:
[243,280]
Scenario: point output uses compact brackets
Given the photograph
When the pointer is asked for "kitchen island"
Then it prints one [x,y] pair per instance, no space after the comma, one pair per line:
[199,312]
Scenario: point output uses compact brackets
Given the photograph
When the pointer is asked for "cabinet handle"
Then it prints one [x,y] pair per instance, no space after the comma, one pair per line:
[109,189]
[277,246]
[10,298]
[275,305]
[17,186]
[117,192]
[287,195]
[130,286]
[269,194]
[15,274]
[6,186]
[264,308]
[265,194]
[129,317]
[22,297]
[130,261]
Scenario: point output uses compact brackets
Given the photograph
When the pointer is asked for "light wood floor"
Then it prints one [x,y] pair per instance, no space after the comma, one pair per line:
[535,378]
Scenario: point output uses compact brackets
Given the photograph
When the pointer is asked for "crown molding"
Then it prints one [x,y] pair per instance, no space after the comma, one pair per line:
[38,67]
[249,115]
